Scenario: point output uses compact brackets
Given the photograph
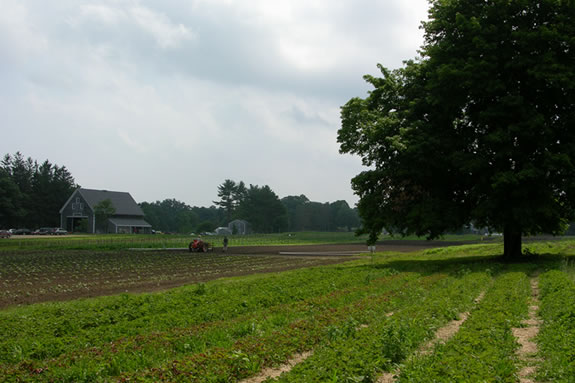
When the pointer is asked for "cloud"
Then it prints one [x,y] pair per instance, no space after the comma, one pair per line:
[160,27]
[144,96]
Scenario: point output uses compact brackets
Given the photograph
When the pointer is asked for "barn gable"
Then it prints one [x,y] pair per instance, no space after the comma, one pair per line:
[78,212]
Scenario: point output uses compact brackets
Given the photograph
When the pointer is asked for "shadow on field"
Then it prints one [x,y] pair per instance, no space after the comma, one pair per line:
[495,264]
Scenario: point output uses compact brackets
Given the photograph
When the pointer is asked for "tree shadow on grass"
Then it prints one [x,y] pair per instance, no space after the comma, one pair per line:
[457,265]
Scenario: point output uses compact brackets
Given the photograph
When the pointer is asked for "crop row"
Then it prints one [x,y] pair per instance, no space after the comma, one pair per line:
[484,347]
[97,339]
[360,355]
[247,355]
[31,275]
[557,336]
[237,319]
[107,318]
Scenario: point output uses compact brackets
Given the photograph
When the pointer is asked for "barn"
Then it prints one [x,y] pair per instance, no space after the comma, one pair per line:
[78,215]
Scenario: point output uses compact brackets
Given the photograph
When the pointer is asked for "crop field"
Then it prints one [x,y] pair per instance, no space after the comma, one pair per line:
[440,314]
[36,276]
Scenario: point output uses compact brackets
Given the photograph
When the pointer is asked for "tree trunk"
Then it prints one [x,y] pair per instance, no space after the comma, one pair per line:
[511,243]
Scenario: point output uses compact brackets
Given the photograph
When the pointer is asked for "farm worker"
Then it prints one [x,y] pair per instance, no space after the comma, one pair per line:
[225,244]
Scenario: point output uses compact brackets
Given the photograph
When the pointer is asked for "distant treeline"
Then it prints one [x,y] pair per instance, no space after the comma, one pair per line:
[31,194]
[173,216]
[259,205]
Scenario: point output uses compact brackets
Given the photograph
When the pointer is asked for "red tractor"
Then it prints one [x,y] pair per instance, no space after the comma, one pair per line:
[199,246]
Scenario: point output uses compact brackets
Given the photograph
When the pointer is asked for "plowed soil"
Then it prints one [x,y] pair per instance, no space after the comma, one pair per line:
[40,276]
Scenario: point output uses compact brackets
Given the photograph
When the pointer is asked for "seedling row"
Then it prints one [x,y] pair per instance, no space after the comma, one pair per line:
[34,276]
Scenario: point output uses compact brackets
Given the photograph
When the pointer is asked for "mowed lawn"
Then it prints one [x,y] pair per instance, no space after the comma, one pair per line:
[357,321]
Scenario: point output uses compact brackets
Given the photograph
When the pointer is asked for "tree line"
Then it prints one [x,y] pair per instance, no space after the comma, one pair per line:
[32,193]
[173,216]
[259,205]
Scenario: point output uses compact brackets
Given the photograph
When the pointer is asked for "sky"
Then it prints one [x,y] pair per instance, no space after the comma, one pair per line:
[167,99]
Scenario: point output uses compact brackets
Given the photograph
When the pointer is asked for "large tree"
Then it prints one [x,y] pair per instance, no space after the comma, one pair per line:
[262,208]
[226,192]
[103,211]
[9,200]
[479,129]
[231,196]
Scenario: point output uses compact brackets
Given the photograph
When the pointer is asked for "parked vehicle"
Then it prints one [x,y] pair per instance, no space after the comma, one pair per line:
[22,232]
[60,231]
[5,234]
[44,231]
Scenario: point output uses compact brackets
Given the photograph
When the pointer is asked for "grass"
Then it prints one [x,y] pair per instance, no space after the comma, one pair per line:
[557,336]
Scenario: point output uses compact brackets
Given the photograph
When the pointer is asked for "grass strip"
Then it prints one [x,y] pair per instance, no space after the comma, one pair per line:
[556,339]
[484,348]
[361,355]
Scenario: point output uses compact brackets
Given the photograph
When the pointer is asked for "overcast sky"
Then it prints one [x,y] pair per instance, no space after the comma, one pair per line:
[167,99]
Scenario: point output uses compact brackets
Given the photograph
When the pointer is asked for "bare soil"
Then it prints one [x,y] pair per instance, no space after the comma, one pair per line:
[272,373]
[403,246]
[526,337]
[35,276]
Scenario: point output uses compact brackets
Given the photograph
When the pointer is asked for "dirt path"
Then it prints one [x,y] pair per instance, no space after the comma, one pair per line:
[272,373]
[398,245]
[526,335]
[442,335]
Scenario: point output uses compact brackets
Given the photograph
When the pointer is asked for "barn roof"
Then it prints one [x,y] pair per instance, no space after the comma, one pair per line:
[130,222]
[122,201]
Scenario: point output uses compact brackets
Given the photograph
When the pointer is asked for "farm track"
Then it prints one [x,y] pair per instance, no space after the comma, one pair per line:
[402,246]
[526,337]
[274,372]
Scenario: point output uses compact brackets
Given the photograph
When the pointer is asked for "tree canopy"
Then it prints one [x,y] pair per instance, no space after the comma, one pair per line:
[173,216]
[262,208]
[304,215]
[478,129]
[231,195]
[31,194]
[103,210]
